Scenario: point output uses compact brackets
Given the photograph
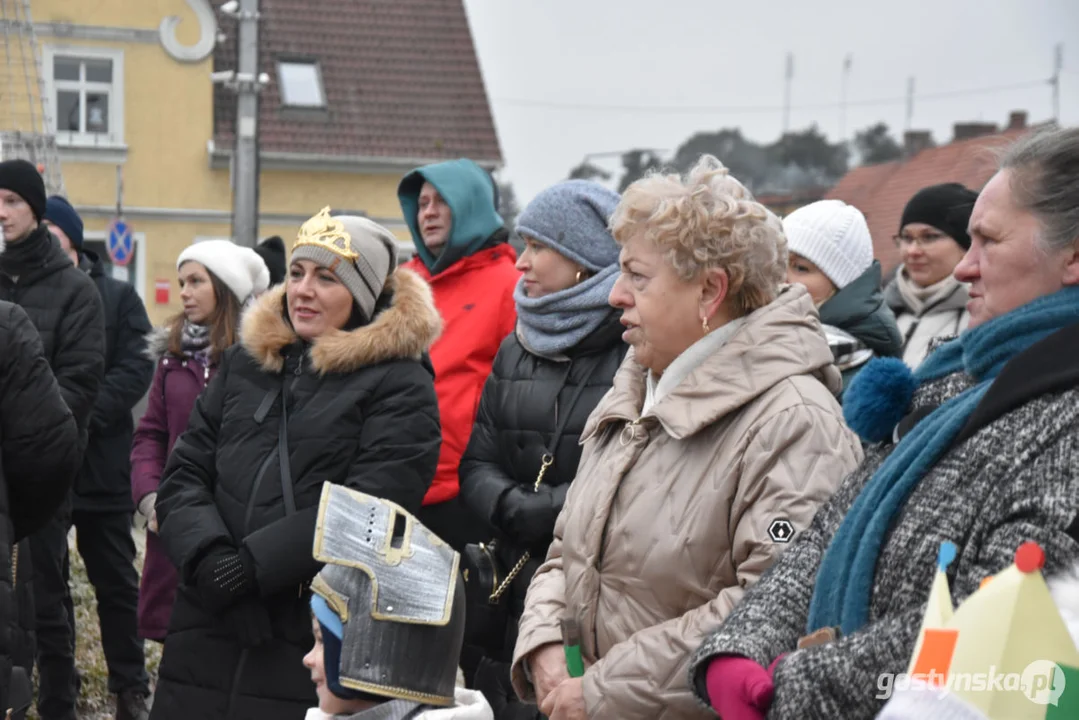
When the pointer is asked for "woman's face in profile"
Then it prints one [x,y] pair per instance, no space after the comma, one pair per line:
[196,293]
[318,302]
[544,270]
[660,311]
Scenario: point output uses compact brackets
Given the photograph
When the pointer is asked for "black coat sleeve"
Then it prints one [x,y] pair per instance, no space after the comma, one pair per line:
[483,480]
[79,357]
[132,371]
[397,458]
[187,515]
[40,442]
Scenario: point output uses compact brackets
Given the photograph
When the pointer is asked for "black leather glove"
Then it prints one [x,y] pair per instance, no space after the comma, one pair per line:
[527,518]
[223,577]
[250,620]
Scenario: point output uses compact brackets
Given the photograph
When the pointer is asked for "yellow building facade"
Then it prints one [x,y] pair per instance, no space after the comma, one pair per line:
[128,90]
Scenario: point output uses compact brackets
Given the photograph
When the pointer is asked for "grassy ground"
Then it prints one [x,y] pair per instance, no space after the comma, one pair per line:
[95,702]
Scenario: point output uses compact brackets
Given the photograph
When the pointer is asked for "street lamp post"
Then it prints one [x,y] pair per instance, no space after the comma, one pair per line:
[247,82]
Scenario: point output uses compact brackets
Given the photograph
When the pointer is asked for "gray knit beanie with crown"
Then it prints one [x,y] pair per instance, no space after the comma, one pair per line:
[360,252]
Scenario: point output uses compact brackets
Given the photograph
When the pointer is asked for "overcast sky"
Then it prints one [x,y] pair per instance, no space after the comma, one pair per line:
[572,77]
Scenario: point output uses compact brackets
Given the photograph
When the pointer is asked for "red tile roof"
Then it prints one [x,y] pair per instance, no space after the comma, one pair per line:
[882,191]
[401,80]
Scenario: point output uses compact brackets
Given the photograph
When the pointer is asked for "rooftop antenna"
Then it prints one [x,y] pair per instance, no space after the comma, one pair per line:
[910,102]
[843,99]
[787,93]
[1058,65]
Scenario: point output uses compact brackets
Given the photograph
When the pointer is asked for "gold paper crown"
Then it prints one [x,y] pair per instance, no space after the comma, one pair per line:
[328,233]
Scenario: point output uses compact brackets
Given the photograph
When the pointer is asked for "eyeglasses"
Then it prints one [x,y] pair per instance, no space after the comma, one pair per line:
[928,238]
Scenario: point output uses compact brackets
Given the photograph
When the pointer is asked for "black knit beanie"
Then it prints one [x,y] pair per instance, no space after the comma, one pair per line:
[946,207]
[23,179]
[272,252]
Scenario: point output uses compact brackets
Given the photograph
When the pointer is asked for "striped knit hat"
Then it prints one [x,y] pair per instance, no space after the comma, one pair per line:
[361,253]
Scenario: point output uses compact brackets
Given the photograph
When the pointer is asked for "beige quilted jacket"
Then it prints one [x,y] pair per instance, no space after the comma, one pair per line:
[674,514]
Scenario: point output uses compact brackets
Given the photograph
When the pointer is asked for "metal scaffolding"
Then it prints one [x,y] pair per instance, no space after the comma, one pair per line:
[25,127]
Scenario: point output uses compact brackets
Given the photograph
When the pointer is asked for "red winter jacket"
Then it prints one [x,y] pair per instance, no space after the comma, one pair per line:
[475,298]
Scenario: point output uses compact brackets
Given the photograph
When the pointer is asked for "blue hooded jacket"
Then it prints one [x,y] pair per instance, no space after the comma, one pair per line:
[470,194]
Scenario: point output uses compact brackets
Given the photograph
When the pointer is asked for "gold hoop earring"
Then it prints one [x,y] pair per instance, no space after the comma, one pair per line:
[580,274]
[704,326]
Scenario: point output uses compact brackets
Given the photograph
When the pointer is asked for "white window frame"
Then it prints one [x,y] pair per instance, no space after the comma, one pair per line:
[139,240]
[318,77]
[113,139]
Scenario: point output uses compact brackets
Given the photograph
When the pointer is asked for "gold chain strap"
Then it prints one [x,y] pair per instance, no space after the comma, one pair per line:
[504,585]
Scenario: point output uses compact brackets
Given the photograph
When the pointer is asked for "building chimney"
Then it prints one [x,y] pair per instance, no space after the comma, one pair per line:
[914,141]
[1017,120]
[968,130]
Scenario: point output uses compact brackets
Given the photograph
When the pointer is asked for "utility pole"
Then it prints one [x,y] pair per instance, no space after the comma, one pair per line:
[787,93]
[247,82]
[245,159]
[843,99]
[910,102]
[1058,65]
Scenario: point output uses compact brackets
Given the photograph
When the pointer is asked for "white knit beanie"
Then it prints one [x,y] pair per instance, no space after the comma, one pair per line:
[240,268]
[834,237]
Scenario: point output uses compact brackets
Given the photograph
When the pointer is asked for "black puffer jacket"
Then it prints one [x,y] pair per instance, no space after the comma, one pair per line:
[38,459]
[67,311]
[104,483]
[362,412]
[519,410]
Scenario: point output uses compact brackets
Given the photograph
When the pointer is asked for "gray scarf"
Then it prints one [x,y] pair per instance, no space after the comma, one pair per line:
[195,340]
[552,324]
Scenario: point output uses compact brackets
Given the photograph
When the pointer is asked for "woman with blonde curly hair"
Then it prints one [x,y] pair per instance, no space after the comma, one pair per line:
[717,442]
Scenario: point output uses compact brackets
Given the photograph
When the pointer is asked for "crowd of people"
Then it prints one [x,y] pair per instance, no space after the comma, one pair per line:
[677,458]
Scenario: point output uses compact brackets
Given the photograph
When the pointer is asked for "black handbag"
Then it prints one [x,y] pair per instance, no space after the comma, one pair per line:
[486,576]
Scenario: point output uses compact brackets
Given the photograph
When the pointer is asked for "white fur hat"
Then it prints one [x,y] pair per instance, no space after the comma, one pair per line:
[833,236]
[241,269]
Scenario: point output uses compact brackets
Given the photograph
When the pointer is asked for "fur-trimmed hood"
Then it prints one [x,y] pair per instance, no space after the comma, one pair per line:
[404,330]
[157,343]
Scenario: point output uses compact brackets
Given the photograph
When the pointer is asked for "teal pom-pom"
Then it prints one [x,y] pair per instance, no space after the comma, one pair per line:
[878,398]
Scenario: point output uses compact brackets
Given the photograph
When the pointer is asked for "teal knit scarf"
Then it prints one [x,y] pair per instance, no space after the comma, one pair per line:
[844,582]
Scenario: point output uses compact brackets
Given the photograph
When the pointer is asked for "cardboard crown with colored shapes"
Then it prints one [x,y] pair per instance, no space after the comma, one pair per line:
[1006,649]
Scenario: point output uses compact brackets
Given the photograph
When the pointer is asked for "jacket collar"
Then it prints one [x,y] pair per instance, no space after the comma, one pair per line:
[35,257]
[859,310]
[405,329]
[952,295]
[479,259]
[781,340]
[1047,366]
[90,263]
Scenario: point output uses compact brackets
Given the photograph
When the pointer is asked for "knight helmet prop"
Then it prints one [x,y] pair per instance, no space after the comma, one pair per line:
[389,599]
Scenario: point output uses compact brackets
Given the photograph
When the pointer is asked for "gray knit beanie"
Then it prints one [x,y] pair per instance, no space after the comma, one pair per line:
[571,217]
[361,253]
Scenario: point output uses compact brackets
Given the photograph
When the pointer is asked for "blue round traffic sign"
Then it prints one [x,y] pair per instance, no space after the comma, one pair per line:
[121,243]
